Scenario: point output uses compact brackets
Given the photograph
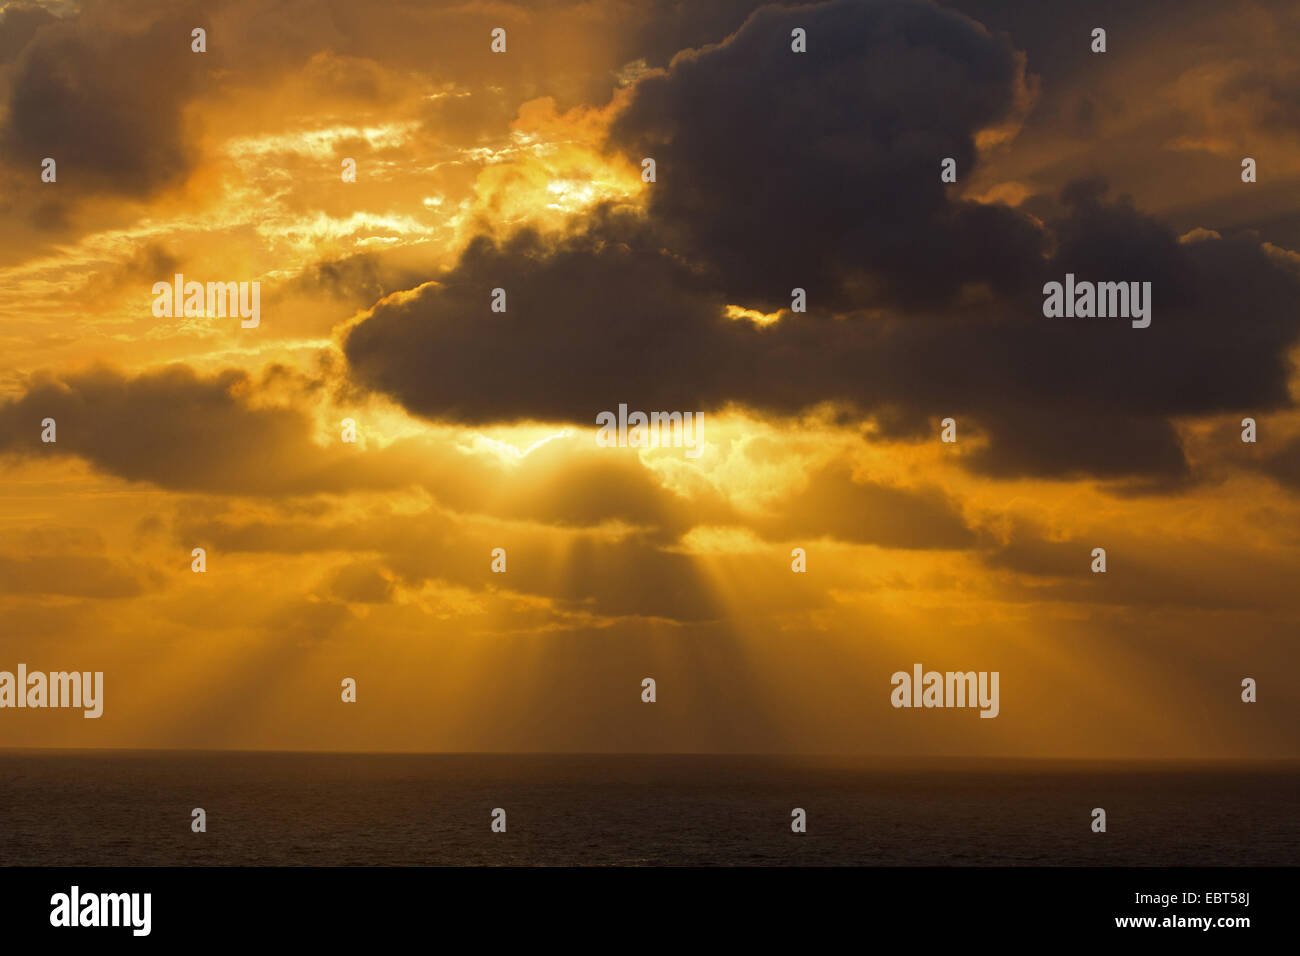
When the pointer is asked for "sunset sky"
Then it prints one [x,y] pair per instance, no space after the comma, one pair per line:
[476,430]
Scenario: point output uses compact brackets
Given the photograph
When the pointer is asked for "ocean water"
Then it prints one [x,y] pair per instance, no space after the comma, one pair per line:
[133,808]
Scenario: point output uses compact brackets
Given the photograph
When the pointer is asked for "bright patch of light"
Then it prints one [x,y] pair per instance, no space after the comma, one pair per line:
[508,451]
[753,315]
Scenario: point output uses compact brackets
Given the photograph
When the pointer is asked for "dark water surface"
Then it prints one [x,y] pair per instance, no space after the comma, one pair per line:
[133,807]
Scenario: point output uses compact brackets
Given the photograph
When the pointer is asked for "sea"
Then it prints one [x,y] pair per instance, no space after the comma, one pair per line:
[132,808]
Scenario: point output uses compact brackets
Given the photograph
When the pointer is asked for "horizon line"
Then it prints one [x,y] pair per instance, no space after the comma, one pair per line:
[1295,759]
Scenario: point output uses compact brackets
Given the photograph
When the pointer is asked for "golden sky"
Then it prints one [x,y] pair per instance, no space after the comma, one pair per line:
[476,430]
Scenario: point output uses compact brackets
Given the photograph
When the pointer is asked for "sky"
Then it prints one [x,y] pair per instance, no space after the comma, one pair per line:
[476,429]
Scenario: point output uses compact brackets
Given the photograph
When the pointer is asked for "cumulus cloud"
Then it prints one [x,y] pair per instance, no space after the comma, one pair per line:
[89,93]
[778,170]
[822,170]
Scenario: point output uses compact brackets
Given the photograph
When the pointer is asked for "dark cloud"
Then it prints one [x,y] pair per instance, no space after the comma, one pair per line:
[600,318]
[145,265]
[821,170]
[1276,96]
[361,583]
[1284,465]
[70,562]
[305,621]
[104,101]
[173,428]
[836,505]
[359,279]
[608,316]
[184,432]
[1174,572]
[70,575]
[18,24]
[629,576]
[670,26]
[779,170]
[1055,443]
